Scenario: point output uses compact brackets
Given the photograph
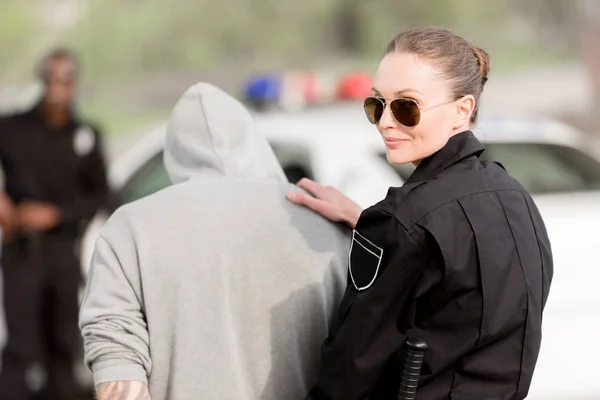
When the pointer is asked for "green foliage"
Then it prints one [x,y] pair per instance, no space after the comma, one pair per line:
[17,28]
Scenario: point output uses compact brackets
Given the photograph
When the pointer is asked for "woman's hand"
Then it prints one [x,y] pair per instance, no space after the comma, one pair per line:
[327,201]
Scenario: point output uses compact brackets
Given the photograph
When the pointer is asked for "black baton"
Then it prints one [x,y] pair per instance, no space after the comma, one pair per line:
[416,349]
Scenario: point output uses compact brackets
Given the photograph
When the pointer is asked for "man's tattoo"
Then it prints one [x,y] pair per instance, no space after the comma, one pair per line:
[123,390]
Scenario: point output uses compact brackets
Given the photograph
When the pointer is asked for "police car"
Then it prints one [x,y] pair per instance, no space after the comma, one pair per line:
[559,165]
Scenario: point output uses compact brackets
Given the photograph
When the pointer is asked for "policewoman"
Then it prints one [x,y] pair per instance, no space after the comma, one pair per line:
[458,256]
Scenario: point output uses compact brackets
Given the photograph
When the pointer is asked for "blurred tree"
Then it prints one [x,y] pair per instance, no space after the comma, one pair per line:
[347,22]
[18,30]
[556,21]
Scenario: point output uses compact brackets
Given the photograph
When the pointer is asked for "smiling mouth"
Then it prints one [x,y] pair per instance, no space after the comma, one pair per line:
[394,140]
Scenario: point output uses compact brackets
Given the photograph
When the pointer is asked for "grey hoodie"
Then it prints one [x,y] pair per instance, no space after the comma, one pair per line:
[216,287]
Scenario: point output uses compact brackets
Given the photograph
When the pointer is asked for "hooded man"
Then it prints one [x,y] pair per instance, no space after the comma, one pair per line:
[216,287]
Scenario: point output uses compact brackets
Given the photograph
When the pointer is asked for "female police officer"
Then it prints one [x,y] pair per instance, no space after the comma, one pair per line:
[458,256]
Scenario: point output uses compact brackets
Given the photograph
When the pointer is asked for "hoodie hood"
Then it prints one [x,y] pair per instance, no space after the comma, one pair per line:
[212,134]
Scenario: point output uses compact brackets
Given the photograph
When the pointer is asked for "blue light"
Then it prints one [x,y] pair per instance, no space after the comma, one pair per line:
[264,89]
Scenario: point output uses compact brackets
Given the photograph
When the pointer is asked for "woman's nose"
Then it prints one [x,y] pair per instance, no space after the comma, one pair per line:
[387,119]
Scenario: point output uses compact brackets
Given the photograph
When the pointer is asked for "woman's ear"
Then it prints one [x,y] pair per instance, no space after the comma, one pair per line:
[464,110]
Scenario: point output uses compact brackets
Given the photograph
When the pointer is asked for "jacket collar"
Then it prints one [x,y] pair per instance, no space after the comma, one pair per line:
[458,148]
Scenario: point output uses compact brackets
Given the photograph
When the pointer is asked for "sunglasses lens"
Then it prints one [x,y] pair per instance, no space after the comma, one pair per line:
[406,112]
[373,109]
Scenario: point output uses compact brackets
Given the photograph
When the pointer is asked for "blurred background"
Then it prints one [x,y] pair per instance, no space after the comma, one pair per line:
[140,55]
[302,66]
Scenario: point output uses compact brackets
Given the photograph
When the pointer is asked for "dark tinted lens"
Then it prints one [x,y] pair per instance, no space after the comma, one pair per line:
[374,109]
[406,111]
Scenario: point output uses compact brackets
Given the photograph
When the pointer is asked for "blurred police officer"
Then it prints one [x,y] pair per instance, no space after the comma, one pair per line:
[55,180]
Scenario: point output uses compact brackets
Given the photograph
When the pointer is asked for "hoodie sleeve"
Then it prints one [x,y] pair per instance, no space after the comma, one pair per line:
[111,319]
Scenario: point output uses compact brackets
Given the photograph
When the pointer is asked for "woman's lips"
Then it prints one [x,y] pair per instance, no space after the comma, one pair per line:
[393,142]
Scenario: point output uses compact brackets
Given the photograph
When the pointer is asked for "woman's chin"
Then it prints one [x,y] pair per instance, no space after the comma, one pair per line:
[398,157]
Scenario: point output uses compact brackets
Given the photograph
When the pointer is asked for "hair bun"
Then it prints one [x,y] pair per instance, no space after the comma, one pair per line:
[483,61]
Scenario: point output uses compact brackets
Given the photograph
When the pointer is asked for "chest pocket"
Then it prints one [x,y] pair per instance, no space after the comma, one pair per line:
[364,261]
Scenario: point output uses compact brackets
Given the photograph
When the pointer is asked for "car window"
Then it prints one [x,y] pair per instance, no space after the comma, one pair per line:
[539,167]
[294,159]
[148,179]
[547,168]
[152,176]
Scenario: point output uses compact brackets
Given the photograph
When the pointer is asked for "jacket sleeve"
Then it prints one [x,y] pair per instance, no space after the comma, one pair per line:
[93,187]
[374,319]
[112,319]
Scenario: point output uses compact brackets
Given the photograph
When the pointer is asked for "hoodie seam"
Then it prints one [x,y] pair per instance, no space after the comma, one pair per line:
[210,132]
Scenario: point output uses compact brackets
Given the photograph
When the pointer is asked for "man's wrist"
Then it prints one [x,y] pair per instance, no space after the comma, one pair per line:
[123,390]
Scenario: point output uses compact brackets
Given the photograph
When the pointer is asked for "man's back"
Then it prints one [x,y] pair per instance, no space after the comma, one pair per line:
[216,287]
[238,288]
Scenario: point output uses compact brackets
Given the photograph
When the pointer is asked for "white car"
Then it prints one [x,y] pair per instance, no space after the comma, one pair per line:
[559,165]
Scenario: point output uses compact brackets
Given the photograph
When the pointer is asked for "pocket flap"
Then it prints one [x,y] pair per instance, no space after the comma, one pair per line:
[364,261]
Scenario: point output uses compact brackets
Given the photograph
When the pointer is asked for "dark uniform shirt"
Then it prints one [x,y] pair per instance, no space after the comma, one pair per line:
[64,167]
[41,270]
[458,256]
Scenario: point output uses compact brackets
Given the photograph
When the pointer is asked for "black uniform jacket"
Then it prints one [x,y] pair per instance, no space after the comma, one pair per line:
[64,167]
[458,256]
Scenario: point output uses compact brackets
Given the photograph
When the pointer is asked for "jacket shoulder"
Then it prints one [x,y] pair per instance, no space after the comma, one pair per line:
[460,181]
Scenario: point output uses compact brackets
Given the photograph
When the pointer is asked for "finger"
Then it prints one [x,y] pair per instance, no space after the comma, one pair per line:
[313,203]
[296,197]
[314,188]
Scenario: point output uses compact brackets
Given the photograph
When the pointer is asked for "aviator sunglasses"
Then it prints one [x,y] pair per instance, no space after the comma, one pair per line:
[405,111]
